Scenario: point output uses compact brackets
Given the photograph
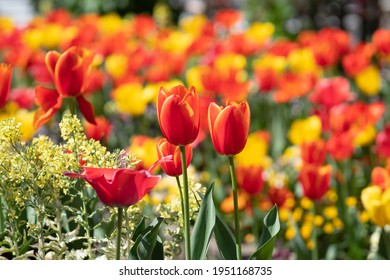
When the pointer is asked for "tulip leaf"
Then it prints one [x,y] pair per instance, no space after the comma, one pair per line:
[158,251]
[204,225]
[268,236]
[225,239]
[148,242]
[139,229]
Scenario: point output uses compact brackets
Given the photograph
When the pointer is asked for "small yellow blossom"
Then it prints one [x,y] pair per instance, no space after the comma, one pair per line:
[306,203]
[290,233]
[330,212]
[366,136]
[328,228]
[306,230]
[318,220]
[351,201]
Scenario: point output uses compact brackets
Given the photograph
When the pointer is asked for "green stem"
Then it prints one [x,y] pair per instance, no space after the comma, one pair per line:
[186,204]
[87,228]
[314,251]
[386,241]
[181,195]
[119,233]
[2,220]
[236,217]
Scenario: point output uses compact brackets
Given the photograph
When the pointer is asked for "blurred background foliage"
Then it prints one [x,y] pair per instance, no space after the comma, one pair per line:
[360,17]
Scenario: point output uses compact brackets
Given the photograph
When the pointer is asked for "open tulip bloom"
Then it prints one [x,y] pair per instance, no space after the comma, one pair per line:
[69,72]
[119,187]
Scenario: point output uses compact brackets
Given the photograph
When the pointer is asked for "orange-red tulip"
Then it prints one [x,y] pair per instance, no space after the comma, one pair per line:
[119,187]
[172,168]
[314,152]
[315,180]
[178,114]
[70,73]
[102,128]
[5,83]
[229,127]
[250,179]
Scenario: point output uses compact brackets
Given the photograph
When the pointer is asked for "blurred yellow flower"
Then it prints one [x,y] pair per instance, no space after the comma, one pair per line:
[116,65]
[310,245]
[193,24]
[194,77]
[377,204]
[318,220]
[302,61]
[129,99]
[52,35]
[268,61]
[229,61]
[176,42]
[290,233]
[330,212]
[26,119]
[351,201]
[260,31]
[110,23]
[369,80]
[6,25]
[144,148]
[33,38]
[328,228]
[305,130]
[255,150]
[306,230]
[306,203]
[366,136]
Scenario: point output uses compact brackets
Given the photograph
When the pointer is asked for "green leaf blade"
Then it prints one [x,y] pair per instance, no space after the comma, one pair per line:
[268,236]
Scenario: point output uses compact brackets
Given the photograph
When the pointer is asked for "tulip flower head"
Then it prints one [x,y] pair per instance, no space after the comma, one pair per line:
[174,167]
[118,187]
[70,72]
[5,83]
[315,180]
[229,127]
[178,114]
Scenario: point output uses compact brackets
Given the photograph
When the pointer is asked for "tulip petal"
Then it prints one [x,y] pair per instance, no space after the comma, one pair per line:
[213,112]
[5,83]
[86,109]
[51,59]
[49,101]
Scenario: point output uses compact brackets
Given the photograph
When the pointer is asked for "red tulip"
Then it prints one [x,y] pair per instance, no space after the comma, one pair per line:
[70,72]
[101,129]
[314,152]
[331,91]
[178,114]
[250,179]
[381,40]
[229,127]
[172,168]
[315,180]
[5,83]
[383,142]
[119,187]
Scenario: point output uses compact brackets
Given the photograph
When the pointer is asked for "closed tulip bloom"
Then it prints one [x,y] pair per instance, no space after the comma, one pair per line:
[5,83]
[314,152]
[229,127]
[119,187]
[178,114]
[250,179]
[174,167]
[315,180]
[377,203]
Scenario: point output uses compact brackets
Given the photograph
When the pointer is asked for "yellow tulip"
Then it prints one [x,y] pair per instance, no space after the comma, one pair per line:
[260,32]
[193,25]
[377,204]
[366,136]
[26,119]
[110,23]
[144,148]
[305,130]
[268,61]
[116,65]
[302,61]
[369,80]
[129,99]
[255,150]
